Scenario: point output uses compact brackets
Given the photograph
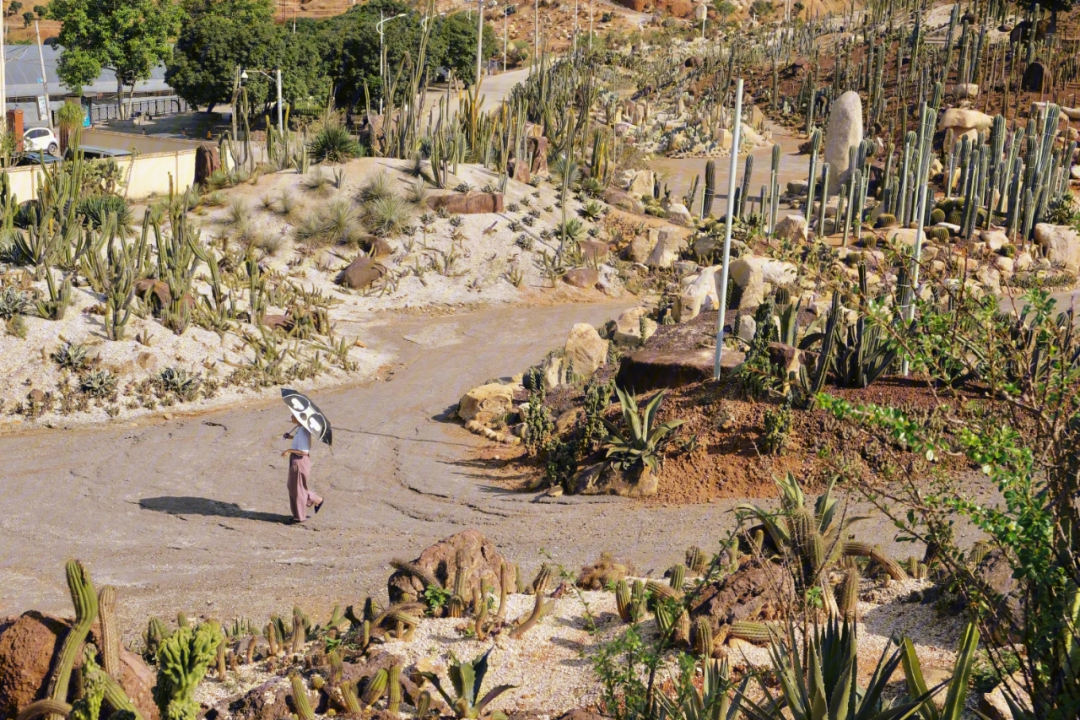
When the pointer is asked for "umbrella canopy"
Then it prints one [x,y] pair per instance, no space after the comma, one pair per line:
[308,415]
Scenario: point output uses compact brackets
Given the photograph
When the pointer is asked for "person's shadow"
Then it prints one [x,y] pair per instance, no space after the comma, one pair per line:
[206,506]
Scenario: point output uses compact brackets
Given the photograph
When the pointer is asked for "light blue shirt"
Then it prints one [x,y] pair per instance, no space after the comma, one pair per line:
[301,439]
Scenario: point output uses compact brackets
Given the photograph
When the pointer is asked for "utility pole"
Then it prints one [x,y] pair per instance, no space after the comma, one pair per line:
[3,80]
[506,31]
[573,44]
[536,33]
[44,77]
[590,23]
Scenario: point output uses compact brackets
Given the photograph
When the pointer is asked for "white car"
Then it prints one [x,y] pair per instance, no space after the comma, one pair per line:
[41,140]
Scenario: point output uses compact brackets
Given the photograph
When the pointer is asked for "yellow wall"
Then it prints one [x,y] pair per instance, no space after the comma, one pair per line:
[150,175]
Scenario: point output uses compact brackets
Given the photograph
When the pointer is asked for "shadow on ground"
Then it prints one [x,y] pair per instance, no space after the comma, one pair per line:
[205,506]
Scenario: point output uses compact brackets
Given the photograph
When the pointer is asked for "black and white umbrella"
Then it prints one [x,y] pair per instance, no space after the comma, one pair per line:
[308,415]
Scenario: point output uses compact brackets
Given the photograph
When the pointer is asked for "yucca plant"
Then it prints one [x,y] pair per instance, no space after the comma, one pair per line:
[953,708]
[819,680]
[467,680]
[334,144]
[387,216]
[377,188]
[96,208]
[318,182]
[643,440]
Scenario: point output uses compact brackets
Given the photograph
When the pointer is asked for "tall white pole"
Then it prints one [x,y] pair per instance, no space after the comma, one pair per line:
[506,32]
[479,38]
[573,45]
[590,23]
[3,80]
[536,33]
[280,110]
[44,77]
[721,288]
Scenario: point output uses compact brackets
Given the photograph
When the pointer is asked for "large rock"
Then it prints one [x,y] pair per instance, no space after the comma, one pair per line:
[487,402]
[651,369]
[604,479]
[794,228]
[665,252]
[642,245]
[964,122]
[361,273]
[643,184]
[698,293]
[748,278]
[586,350]
[468,203]
[582,277]
[28,646]
[757,591]
[1061,245]
[1007,614]
[679,214]
[623,200]
[468,550]
[844,131]
[628,326]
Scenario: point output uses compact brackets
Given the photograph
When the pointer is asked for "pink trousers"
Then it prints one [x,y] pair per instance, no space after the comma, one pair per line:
[300,497]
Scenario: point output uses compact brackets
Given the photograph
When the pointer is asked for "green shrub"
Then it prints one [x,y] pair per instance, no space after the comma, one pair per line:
[334,144]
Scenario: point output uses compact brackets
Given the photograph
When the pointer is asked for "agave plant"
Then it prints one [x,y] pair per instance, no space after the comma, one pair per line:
[819,681]
[467,679]
[712,702]
[642,442]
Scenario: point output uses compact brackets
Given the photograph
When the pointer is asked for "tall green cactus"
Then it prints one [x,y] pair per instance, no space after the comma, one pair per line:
[748,170]
[85,601]
[182,663]
[710,189]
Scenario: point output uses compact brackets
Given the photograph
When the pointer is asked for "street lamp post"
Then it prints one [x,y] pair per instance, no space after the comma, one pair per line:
[382,53]
[276,77]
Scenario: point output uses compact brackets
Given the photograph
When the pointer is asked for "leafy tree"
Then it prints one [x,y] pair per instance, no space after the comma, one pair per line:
[215,39]
[356,64]
[28,17]
[454,45]
[41,11]
[14,8]
[128,37]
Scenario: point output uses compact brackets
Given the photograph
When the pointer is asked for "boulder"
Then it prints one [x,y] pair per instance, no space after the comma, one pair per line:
[785,359]
[278,322]
[748,277]
[155,293]
[757,591]
[665,252]
[1037,78]
[537,148]
[207,162]
[643,184]
[995,239]
[699,293]
[965,91]
[594,250]
[1005,266]
[1061,245]
[628,327]
[794,228]
[604,479]
[747,328]
[993,704]
[582,277]
[623,201]
[844,131]
[467,551]
[962,120]
[1023,262]
[470,203]
[641,247]
[678,214]
[553,372]
[1007,611]
[586,350]
[652,369]
[361,273]
[486,402]
[28,645]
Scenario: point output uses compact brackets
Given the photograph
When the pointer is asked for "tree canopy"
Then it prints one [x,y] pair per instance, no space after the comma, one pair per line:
[130,37]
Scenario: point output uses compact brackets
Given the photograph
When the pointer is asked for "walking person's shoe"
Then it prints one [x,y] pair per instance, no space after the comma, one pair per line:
[318,507]
[294,521]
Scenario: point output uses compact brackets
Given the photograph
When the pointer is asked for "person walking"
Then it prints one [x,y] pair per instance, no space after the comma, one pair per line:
[301,497]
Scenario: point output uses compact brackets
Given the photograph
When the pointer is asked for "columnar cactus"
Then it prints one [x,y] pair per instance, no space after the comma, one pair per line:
[182,663]
[86,610]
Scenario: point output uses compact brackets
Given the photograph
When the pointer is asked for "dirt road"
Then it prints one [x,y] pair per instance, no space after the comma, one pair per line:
[188,514]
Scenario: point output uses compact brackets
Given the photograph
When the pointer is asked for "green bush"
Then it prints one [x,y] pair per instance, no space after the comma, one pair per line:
[334,144]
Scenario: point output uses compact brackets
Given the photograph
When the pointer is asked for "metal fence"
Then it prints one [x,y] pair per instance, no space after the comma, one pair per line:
[155,106]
